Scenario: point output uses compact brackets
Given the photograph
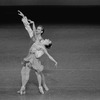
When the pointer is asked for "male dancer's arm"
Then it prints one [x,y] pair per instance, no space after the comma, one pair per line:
[28,57]
[26,60]
[34,30]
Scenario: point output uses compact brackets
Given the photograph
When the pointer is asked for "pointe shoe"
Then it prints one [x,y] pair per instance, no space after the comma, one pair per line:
[46,88]
[21,92]
[41,90]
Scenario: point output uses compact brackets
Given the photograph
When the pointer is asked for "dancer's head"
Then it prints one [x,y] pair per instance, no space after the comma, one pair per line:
[40,30]
[47,43]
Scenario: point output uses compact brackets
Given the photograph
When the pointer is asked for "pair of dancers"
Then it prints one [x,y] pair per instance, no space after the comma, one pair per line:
[31,61]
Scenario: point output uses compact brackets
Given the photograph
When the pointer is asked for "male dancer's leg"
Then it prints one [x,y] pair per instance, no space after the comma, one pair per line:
[25,77]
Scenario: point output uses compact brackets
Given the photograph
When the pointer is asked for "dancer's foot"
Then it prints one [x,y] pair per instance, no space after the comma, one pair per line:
[21,92]
[41,90]
[45,87]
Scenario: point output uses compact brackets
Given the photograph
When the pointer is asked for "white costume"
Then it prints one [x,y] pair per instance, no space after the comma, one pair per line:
[36,51]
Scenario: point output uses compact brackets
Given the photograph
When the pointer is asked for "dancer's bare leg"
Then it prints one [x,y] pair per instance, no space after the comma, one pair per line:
[25,77]
[39,78]
[44,83]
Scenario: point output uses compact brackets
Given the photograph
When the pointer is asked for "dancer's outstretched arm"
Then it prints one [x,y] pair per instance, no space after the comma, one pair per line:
[27,23]
[50,57]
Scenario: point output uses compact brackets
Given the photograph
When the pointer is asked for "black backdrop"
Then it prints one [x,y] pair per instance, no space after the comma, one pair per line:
[52,14]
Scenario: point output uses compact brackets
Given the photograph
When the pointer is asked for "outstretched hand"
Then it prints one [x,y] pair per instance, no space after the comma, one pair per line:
[56,64]
[20,13]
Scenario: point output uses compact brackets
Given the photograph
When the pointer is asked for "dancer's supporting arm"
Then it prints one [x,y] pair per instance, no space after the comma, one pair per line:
[28,57]
[26,60]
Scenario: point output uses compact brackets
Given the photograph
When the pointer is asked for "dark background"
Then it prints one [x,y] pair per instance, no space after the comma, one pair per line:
[52,14]
[49,2]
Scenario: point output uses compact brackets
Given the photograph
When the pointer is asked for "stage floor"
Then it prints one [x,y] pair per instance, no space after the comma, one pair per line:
[77,51]
[53,94]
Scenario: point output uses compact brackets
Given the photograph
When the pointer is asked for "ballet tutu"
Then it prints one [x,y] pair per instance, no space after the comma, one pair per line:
[36,64]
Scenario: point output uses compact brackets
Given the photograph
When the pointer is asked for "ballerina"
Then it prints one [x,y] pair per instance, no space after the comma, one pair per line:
[32,62]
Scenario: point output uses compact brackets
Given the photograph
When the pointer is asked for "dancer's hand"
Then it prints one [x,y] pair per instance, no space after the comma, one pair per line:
[24,62]
[20,13]
[31,21]
[56,64]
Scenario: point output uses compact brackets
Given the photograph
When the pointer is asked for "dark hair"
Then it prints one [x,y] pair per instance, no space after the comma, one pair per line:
[42,28]
[48,46]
